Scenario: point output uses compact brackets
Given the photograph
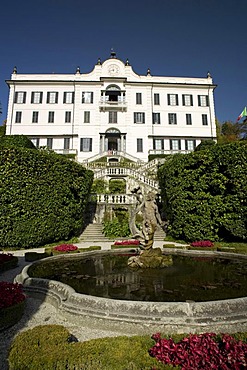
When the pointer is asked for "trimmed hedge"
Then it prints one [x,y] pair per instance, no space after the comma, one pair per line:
[9,316]
[204,193]
[16,141]
[42,198]
[51,347]
[7,261]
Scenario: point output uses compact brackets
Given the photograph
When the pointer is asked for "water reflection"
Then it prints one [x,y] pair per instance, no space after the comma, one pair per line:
[197,279]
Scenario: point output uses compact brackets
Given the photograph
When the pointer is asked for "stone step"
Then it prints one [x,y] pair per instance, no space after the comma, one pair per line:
[93,232]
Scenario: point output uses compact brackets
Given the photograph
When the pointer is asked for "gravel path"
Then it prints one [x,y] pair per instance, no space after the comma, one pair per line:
[43,313]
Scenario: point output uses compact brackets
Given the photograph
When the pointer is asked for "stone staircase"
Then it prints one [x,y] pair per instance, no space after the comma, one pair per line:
[159,234]
[93,233]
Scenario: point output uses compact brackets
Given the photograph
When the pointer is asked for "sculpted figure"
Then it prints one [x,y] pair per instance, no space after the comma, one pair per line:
[151,218]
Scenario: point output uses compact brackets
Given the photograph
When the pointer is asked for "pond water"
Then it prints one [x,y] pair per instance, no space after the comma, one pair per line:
[196,279]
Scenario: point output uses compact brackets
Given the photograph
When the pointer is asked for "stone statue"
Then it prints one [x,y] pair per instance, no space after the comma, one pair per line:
[149,257]
[147,206]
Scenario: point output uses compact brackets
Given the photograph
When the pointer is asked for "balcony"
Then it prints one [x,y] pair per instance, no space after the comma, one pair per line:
[106,104]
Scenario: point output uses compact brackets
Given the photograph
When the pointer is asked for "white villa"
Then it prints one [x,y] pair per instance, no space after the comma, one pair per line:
[112,110]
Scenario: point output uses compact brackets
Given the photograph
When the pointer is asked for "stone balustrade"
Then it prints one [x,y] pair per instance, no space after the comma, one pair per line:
[113,198]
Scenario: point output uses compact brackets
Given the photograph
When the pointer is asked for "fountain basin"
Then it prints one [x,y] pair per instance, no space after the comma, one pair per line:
[138,317]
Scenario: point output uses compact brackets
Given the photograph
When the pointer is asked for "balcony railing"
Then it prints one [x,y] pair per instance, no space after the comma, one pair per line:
[113,198]
[172,151]
[105,104]
[121,171]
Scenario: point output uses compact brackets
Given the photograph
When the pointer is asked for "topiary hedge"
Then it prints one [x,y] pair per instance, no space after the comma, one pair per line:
[42,197]
[204,193]
[49,347]
[16,141]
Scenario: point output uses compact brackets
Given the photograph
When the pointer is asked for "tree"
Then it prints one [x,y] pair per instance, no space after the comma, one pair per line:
[230,132]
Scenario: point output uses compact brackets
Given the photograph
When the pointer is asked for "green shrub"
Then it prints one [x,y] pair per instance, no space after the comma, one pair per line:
[48,347]
[173,246]
[114,246]
[9,316]
[205,144]
[50,252]
[117,186]
[42,197]
[99,186]
[16,141]
[11,263]
[116,228]
[35,256]
[2,130]
[204,193]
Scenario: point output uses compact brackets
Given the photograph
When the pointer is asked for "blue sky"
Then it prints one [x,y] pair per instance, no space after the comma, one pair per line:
[172,37]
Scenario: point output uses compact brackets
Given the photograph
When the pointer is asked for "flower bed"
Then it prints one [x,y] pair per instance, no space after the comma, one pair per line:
[12,303]
[64,248]
[202,244]
[201,351]
[127,242]
[132,243]
[7,261]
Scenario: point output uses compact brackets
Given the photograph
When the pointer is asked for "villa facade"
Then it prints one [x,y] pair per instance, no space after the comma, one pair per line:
[112,110]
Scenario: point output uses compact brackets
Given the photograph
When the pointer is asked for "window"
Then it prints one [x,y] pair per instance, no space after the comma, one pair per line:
[156,99]
[204,119]
[112,117]
[172,99]
[156,118]
[18,117]
[68,97]
[35,141]
[87,97]
[36,97]
[187,100]
[20,97]
[158,144]
[188,119]
[51,117]
[139,143]
[52,97]
[86,144]
[49,142]
[175,144]
[35,117]
[190,144]
[139,117]
[66,143]
[138,98]
[172,118]
[86,117]
[203,101]
[67,117]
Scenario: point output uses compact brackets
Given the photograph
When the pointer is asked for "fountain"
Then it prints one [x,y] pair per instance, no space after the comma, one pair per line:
[141,315]
[227,315]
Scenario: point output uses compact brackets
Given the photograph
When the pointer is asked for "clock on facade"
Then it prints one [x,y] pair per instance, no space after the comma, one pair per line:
[113,69]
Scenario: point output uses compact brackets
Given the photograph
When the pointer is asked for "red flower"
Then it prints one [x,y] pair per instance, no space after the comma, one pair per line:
[202,244]
[5,257]
[127,242]
[201,351]
[10,294]
[65,248]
